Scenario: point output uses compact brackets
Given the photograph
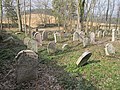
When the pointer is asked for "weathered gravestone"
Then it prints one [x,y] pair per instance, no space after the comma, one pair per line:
[92,37]
[118,32]
[26,68]
[109,49]
[51,48]
[76,36]
[65,47]
[105,33]
[9,40]
[82,35]
[99,34]
[83,58]
[34,45]
[44,35]
[86,42]
[113,35]
[38,38]
[57,37]
[26,41]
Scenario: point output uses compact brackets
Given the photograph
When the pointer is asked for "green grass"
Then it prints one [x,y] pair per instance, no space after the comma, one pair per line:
[101,72]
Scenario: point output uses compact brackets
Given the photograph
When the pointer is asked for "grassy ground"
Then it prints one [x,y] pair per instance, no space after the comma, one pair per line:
[101,73]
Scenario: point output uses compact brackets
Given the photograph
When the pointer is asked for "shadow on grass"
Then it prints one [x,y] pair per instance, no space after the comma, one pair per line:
[91,62]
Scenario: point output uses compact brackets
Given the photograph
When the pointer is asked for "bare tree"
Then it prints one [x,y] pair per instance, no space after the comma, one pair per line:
[19,16]
[30,17]
[1,14]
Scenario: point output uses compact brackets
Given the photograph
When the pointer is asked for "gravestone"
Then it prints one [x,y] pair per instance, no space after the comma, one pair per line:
[109,49]
[113,35]
[86,42]
[26,41]
[65,47]
[38,38]
[83,58]
[44,35]
[57,37]
[66,35]
[82,35]
[26,69]
[92,37]
[51,48]
[99,34]
[76,36]
[104,33]
[34,45]
[118,32]
[9,40]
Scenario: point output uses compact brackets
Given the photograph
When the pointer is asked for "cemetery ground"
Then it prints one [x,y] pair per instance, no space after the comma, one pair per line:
[58,71]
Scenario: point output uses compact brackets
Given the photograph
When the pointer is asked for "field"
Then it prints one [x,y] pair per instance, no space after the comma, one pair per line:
[100,73]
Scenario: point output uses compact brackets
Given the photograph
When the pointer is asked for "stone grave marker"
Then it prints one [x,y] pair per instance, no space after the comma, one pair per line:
[92,37]
[99,34]
[86,42]
[83,58]
[76,36]
[57,37]
[51,48]
[26,41]
[82,35]
[34,45]
[44,35]
[104,33]
[113,35]
[118,32]
[26,68]
[109,49]
[9,40]
[65,47]
[38,38]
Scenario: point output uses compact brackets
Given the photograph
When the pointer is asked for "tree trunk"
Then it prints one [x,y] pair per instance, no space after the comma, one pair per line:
[25,19]
[19,16]
[1,12]
[30,18]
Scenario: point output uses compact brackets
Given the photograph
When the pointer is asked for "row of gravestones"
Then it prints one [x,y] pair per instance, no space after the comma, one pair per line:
[36,40]
[83,38]
[27,61]
[113,32]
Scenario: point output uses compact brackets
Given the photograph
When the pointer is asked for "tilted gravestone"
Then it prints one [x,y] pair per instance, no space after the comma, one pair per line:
[109,49]
[86,42]
[9,40]
[26,68]
[65,47]
[76,36]
[83,58]
[26,41]
[38,38]
[44,35]
[92,37]
[51,48]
